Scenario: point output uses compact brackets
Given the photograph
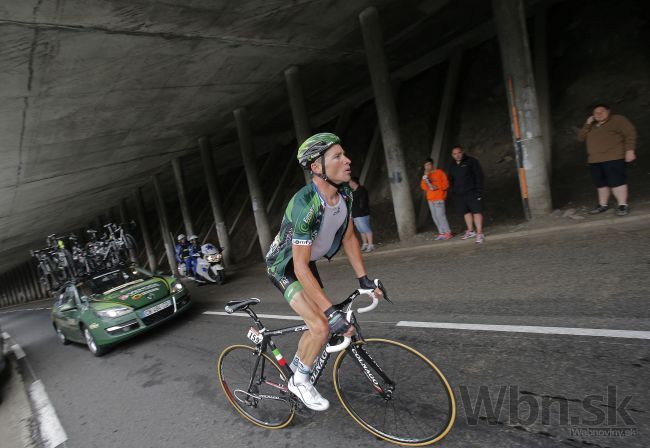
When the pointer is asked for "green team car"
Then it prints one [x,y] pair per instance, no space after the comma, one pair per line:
[110,307]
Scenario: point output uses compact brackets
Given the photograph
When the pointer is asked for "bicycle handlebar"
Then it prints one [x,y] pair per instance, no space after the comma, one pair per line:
[373,305]
[339,347]
[346,339]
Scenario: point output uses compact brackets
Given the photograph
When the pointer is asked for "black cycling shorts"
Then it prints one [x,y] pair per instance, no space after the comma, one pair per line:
[468,203]
[289,285]
[612,173]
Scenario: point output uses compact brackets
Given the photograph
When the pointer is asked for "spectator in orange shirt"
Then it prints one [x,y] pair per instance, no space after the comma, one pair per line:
[435,184]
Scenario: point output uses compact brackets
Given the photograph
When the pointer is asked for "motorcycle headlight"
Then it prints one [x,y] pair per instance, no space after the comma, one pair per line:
[112,313]
[177,287]
[211,258]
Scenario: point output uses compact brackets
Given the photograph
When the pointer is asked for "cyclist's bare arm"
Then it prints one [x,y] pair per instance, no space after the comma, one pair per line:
[313,291]
[353,251]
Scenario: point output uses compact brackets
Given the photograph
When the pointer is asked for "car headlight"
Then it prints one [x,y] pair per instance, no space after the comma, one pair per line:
[177,287]
[112,313]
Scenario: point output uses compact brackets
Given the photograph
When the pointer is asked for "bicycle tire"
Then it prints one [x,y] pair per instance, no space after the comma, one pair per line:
[234,370]
[422,394]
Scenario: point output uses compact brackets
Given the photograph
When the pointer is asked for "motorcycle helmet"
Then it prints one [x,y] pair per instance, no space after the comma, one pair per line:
[192,238]
[180,237]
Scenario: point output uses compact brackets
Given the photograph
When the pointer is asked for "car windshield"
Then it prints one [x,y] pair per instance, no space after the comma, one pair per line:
[104,283]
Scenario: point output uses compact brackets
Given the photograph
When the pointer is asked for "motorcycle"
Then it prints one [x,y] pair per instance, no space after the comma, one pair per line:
[209,265]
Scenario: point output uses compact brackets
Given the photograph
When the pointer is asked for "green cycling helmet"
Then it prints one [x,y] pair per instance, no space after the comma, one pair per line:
[314,147]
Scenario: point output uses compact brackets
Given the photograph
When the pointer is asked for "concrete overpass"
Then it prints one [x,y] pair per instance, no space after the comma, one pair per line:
[99,96]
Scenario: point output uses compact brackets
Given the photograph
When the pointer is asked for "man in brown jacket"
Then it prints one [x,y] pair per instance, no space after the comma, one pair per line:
[611,141]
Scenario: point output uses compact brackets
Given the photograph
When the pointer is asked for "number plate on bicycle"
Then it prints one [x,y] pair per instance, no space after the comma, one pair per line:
[255,335]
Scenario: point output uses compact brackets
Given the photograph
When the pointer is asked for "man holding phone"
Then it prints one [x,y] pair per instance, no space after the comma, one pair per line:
[611,144]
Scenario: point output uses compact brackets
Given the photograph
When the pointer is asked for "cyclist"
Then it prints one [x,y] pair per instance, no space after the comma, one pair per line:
[183,254]
[315,224]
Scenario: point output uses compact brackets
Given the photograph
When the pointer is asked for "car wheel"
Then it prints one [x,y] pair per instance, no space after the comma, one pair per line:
[61,336]
[95,349]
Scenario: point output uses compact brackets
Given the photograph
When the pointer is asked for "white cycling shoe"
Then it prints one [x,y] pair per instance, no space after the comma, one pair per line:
[308,394]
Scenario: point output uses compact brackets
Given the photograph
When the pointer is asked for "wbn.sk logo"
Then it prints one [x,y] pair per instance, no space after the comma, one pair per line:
[593,413]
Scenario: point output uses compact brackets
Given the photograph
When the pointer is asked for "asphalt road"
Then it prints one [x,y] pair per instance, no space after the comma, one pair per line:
[161,389]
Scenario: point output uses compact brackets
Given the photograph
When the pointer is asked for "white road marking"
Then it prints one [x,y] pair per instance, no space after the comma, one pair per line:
[600,332]
[51,430]
[267,316]
[18,351]
[25,309]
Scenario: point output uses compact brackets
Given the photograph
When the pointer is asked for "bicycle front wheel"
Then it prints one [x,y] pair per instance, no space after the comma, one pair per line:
[264,401]
[394,392]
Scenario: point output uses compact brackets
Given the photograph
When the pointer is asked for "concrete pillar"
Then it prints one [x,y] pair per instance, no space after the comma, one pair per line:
[17,287]
[10,288]
[125,220]
[108,216]
[168,242]
[254,187]
[4,290]
[215,201]
[144,229]
[388,123]
[375,144]
[510,23]
[298,108]
[22,288]
[182,197]
[124,214]
[37,284]
[541,82]
[442,124]
[29,285]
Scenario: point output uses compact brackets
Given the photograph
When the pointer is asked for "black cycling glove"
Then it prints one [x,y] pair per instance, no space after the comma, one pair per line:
[336,320]
[366,283]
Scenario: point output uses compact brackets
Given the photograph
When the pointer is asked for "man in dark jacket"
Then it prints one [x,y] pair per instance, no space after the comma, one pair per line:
[466,184]
[361,214]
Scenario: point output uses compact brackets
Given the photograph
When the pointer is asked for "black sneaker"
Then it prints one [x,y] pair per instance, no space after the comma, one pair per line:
[599,209]
[623,210]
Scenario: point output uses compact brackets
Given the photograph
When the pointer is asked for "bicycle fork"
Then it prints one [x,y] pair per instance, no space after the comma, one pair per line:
[368,365]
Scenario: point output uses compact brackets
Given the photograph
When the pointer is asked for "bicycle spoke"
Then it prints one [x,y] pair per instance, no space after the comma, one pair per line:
[265,403]
[415,411]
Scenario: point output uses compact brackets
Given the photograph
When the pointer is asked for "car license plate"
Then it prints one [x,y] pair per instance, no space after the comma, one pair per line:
[255,335]
[155,309]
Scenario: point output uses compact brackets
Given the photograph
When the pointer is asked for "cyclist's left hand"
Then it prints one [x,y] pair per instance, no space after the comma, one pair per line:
[366,283]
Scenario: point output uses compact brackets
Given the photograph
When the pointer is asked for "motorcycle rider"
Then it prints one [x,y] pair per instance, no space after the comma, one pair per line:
[183,255]
[195,251]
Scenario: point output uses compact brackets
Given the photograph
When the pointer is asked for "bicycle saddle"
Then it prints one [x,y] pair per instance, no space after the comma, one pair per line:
[235,305]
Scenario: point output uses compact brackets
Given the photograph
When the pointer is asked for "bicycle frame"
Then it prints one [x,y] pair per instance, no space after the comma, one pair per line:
[357,352]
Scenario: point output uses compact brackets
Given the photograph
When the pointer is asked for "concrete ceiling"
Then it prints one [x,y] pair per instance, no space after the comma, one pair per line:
[96,95]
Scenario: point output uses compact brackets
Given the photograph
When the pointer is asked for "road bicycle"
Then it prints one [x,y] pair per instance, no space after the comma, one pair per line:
[390,389]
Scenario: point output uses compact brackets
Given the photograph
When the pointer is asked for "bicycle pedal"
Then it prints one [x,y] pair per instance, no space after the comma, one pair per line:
[304,411]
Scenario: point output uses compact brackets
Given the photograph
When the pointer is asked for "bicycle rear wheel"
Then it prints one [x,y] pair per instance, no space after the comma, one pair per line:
[412,404]
[266,402]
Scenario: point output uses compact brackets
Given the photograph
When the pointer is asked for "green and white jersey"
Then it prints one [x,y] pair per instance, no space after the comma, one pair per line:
[301,225]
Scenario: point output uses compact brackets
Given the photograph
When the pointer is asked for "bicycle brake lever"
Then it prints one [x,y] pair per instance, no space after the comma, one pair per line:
[383,290]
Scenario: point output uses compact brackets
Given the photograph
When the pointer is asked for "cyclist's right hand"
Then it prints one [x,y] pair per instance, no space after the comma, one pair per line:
[337,321]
